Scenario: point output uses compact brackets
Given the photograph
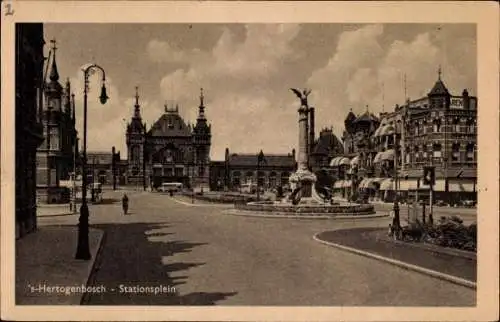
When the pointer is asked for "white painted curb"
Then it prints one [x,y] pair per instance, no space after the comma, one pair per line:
[422,270]
[201,204]
[236,212]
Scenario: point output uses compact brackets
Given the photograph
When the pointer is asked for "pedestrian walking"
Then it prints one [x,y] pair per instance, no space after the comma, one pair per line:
[125,203]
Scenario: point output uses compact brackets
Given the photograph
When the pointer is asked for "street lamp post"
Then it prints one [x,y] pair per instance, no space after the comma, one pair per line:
[260,159]
[49,165]
[83,250]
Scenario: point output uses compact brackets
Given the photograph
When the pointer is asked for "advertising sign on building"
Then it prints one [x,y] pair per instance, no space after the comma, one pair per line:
[457,103]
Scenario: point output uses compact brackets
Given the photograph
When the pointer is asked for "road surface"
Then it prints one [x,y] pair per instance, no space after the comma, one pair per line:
[211,258]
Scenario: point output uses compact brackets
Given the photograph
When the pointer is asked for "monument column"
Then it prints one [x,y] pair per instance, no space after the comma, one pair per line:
[303,179]
[303,138]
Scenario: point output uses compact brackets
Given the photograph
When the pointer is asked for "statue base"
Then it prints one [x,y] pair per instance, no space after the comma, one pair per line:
[303,179]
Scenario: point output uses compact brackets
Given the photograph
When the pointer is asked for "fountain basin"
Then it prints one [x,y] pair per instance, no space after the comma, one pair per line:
[280,208]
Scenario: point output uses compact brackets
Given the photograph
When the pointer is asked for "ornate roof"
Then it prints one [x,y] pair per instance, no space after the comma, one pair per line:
[327,144]
[439,88]
[170,124]
[367,117]
[350,116]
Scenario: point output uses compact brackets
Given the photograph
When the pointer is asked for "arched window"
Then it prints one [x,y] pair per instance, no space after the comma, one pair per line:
[471,128]
[436,150]
[456,125]
[455,152]
[436,125]
[470,152]
[272,179]
[249,176]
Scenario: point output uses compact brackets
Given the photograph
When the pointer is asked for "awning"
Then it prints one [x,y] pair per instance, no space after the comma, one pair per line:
[364,183]
[344,161]
[438,186]
[387,130]
[338,184]
[405,185]
[355,161]
[335,161]
[378,156]
[387,184]
[461,186]
[378,130]
[387,155]
[346,184]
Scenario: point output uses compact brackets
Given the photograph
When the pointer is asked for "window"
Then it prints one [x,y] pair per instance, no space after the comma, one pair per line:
[470,152]
[436,125]
[471,128]
[456,125]
[455,154]
[436,148]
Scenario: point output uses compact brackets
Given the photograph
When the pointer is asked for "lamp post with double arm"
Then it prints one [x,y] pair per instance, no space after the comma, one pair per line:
[83,250]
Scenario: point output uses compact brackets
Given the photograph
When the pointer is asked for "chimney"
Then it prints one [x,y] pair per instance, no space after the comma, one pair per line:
[227,154]
[465,96]
[293,153]
[311,129]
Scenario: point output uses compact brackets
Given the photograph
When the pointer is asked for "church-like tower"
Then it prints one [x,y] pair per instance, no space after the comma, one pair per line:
[202,137]
[136,138]
[56,155]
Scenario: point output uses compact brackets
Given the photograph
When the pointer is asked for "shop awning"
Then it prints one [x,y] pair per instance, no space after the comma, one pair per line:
[461,186]
[405,185]
[387,155]
[387,184]
[344,161]
[338,184]
[378,156]
[347,183]
[439,186]
[355,161]
[364,183]
[335,161]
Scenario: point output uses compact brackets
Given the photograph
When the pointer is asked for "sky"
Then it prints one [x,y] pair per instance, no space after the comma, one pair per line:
[246,72]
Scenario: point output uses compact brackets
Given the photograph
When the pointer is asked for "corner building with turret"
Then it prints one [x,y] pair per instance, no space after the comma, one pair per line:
[170,151]
[56,156]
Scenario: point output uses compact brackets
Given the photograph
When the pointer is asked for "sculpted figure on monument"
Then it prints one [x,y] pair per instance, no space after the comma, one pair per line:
[302,96]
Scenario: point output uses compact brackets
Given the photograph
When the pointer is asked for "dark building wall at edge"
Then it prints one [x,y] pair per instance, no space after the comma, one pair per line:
[29,135]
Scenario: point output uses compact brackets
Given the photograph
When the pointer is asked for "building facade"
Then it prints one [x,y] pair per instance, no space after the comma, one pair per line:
[101,166]
[29,62]
[170,151]
[437,130]
[239,169]
[56,156]
[324,149]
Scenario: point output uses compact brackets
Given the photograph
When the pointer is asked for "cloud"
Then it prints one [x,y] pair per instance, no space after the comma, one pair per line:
[242,80]
[362,71]
[246,78]
[106,124]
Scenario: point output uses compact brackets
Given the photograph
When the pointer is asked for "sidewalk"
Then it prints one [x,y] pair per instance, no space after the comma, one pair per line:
[367,240]
[53,210]
[45,259]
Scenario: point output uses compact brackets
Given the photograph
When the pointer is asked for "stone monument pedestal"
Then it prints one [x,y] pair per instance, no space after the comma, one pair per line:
[304,179]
